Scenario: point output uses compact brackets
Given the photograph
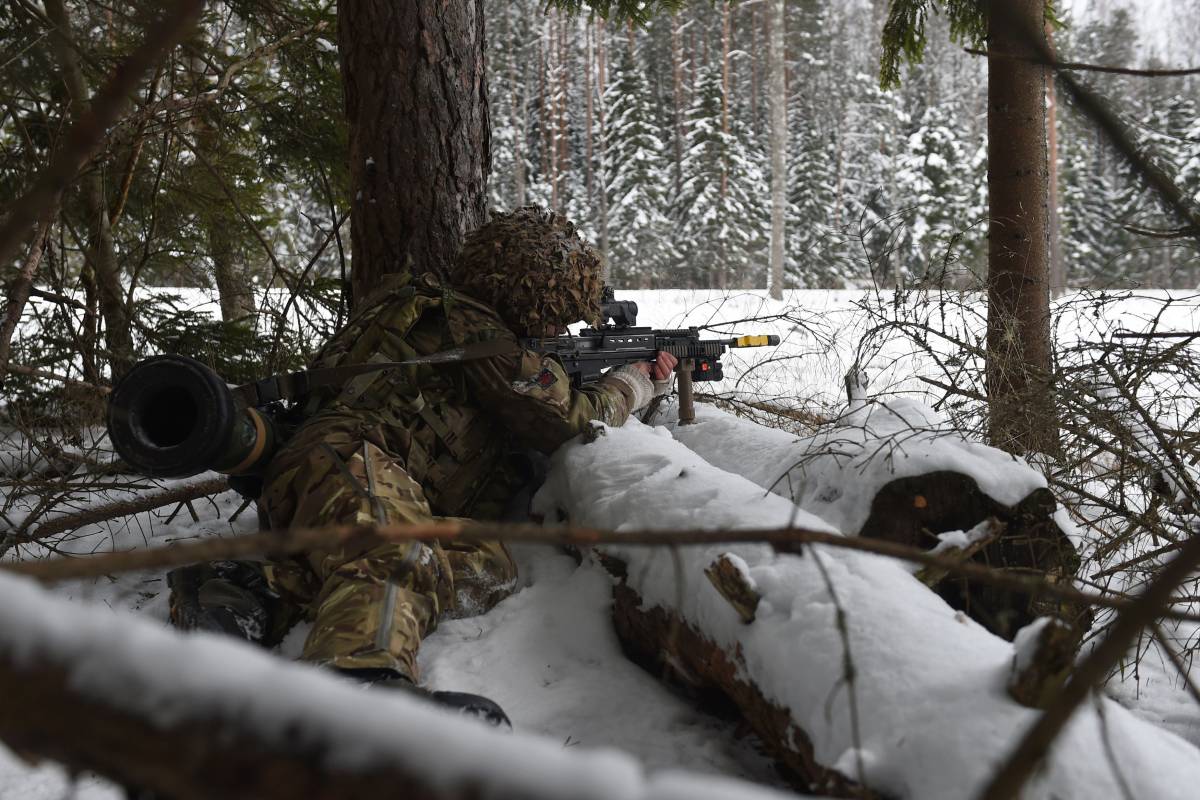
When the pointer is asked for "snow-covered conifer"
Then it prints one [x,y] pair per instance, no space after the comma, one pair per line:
[635,173]
[721,213]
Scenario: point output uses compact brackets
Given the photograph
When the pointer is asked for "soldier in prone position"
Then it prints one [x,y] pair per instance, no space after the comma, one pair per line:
[409,444]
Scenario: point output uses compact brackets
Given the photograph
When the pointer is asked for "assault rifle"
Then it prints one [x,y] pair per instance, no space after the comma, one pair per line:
[171,416]
[618,340]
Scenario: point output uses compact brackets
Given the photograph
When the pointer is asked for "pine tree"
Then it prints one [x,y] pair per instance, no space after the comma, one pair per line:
[512,49]
[935,173]
[635,164]
[721,211]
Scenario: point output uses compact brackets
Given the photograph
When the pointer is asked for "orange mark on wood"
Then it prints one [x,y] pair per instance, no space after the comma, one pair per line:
[920,502]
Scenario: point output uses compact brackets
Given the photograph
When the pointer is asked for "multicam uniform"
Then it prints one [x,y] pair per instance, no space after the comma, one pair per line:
[412,443]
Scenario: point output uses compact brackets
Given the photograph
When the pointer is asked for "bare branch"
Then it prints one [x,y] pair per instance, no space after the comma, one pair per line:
[20,369]
[286,542]
[124,508]
[88,133]
[1091,672]
[1076,66]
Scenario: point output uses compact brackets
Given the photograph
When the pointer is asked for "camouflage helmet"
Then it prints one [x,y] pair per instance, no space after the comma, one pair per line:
[533,268]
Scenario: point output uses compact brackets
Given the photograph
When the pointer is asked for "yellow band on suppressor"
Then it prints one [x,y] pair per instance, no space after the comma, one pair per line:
[752,341]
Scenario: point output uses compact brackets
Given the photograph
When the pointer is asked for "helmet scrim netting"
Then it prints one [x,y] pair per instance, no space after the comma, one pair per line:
[533,268]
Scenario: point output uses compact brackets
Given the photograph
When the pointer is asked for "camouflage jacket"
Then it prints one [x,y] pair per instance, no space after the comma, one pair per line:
[452,425]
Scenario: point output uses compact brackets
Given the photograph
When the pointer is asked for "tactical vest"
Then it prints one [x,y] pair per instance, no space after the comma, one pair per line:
[427,415]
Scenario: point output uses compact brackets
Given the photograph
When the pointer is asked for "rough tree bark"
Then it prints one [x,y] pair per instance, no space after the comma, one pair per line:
[416,103]
[1021,412]
[234,289]
[777,91]
[665,643]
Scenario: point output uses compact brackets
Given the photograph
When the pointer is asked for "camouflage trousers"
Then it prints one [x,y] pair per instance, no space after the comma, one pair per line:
[370,606]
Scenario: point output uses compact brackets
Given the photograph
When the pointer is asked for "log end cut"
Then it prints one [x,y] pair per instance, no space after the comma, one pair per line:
[914,510]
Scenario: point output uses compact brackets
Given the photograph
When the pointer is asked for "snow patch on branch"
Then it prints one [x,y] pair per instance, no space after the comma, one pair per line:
[170,678]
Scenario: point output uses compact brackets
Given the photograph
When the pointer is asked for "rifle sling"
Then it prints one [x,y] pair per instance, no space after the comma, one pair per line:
[292,385]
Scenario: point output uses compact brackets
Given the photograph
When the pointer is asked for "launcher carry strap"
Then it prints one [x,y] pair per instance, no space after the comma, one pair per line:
[292,385]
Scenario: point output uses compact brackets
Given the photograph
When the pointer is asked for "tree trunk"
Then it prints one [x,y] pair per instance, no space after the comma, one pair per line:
[19,291]
[101,253]
[1021,411]
[755,50]
[234,290]
[602,121]
[677,78]
[420,142]
[563,91]
[777,90]
[723,265]
[589,113]
[1058,268]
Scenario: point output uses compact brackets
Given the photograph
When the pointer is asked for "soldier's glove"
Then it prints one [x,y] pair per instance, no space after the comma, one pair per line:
[637,382]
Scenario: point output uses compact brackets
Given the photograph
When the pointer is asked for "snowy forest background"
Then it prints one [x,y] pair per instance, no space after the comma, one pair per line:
[656,141]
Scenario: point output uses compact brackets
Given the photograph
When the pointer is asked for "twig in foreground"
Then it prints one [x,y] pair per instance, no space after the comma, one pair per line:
[287,542]
[1091,672]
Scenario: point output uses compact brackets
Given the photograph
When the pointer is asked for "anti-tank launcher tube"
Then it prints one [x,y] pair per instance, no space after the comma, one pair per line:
[171,417]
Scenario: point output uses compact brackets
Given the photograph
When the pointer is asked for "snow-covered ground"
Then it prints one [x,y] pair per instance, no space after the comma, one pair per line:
[549,656]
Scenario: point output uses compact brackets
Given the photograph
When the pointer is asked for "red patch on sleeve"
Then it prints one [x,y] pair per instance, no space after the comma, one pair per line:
[545,378]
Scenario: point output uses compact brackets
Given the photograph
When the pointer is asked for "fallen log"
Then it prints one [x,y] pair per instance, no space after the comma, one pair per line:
[43,716]
[731,578]
[855,676]
[658,639]
[1042,662]
[893,471]
[915,509]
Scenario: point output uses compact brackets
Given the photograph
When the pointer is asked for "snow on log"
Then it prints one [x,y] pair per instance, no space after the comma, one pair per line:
[894,470]
[200,717]
[934,717]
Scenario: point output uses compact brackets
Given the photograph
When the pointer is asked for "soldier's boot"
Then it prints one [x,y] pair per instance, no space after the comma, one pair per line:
[229,597]
[465,703]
